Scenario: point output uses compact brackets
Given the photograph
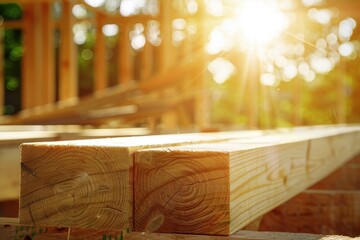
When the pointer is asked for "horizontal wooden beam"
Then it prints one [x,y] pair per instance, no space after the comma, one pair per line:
[73,112]
[219,188]
[88,183]
[10,229]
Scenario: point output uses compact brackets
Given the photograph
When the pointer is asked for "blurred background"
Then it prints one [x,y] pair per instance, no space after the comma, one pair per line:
[178,65]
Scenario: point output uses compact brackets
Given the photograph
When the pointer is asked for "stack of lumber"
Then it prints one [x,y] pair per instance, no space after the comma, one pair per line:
[207,184]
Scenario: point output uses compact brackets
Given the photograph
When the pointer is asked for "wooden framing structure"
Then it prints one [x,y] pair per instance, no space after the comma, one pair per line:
[62,95]
[49,90]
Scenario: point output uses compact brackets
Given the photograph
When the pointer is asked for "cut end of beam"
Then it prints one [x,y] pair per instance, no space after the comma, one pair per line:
[79,186]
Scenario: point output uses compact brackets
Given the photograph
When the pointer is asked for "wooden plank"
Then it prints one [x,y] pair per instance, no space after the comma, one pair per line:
[125,58]
[37,53]
[62,113]
[47,54]
[68,84]
[317,211]
[28,88]
[10,229]
[88,183]
[101,69]
[166,59]
[200,77]
[38,65]
[219,188]
[147,61]
[2,76]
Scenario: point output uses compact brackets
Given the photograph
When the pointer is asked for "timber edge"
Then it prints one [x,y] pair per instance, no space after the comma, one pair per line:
[10,229]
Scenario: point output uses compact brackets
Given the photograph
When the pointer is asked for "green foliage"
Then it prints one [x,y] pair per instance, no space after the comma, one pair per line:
[10,11]
[13,52]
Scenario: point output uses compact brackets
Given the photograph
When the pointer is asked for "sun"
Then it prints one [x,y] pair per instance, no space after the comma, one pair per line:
[260,22]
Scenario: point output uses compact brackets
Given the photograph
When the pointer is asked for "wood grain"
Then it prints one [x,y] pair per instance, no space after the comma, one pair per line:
[72,185]
[10,229]
[219,188]
[88,183]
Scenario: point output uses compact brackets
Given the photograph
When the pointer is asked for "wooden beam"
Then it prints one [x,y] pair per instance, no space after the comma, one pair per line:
[87,183]
[38,52]
[125,57]
[219,188]
[190,65]
[252,92]
[166,59]
[61,113]
[38,83]
[2,76]
[200,78]
[101,68]
[47,53]
[28,87]
[146,61]
[68,83]
[10,229]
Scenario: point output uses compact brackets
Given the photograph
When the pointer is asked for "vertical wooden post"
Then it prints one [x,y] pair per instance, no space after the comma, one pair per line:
[297,102]
[2,77]
[185,116]
[37,52]
[202,109]
[47,54]
[38,80]
[146,62]
[68,84]
[101,69]
[28,88]
[124,55]
[253,89]
[340,110]
[166,55]
[170,118]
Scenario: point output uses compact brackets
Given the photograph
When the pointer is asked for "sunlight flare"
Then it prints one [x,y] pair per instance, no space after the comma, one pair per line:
[260,21]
